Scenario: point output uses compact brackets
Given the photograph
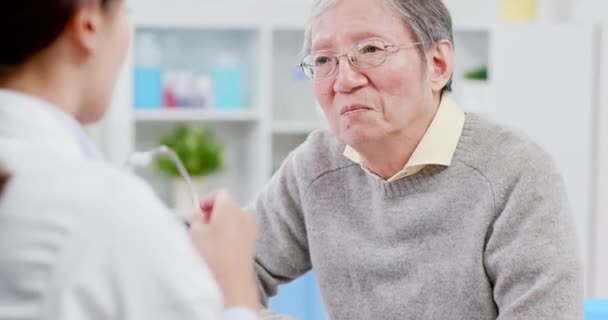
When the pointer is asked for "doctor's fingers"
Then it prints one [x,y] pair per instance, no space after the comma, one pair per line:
[230,228]
[224,207]
[227,216]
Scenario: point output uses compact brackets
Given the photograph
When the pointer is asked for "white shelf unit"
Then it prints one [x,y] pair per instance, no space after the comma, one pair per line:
[195,114]
[244,132]
[283,110]
[294,109]
[296,128]
[472,51]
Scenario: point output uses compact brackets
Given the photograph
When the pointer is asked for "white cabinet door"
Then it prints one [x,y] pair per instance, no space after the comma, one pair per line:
[601,221]
[543,84]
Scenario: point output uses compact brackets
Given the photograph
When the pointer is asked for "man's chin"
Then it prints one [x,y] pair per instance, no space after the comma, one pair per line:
[356,136]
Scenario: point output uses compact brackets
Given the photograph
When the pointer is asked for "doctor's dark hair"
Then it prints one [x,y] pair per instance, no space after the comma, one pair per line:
[29,26]
[3,181]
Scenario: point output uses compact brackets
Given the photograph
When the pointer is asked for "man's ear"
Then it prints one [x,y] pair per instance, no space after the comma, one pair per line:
[440,64]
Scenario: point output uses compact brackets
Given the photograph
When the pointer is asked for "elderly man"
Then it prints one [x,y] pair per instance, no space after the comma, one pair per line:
[409,208]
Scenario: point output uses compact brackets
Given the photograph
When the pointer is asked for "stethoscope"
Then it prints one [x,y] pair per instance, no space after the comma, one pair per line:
[146,158]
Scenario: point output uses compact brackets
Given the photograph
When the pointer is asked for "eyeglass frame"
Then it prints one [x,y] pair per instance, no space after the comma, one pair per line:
[337,57]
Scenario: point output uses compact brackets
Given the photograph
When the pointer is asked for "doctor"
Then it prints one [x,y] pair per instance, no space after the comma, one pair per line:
[79,239]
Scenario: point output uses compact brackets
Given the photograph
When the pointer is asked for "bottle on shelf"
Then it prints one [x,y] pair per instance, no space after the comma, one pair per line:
[148,72]
[227,82]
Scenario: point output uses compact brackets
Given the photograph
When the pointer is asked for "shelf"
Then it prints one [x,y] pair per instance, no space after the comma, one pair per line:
[220,14]
[296,127]
[197,115]
[185,24]
[189,14]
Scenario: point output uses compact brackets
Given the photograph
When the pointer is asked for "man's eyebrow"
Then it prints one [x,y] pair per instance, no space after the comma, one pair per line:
[355,36]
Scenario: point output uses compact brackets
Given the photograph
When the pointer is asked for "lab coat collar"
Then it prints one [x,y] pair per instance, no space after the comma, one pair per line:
[31,120]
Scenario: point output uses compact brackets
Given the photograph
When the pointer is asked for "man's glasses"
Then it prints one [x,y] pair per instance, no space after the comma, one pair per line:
[364,55]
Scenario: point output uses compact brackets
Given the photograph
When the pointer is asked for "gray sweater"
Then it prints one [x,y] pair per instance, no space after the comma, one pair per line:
[489,237]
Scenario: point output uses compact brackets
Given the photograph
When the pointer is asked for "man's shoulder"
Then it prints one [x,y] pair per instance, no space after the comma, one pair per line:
[498,151]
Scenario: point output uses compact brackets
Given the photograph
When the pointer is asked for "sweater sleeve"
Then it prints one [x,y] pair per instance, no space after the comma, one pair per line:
[531,254]
[282,245]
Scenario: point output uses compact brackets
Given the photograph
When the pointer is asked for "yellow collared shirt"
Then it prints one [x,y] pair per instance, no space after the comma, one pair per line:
[437,146]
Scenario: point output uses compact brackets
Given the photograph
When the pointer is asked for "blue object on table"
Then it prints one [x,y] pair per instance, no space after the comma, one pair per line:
[300,299]
[596,309]
[148,88]
[227,86]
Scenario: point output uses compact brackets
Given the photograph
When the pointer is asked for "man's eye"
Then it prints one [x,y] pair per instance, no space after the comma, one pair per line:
[370,49]
[321,60]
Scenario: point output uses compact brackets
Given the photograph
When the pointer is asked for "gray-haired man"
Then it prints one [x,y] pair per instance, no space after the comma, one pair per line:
[409,208]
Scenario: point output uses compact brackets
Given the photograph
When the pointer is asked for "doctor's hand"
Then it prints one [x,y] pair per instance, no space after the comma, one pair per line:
[226,240]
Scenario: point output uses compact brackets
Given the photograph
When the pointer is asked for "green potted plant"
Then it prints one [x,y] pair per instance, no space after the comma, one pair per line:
[473,90]
[201,154]
[477,74]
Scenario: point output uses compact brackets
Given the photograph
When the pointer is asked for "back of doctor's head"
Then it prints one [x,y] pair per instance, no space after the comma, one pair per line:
[29,26]
[96,30]
[3,181]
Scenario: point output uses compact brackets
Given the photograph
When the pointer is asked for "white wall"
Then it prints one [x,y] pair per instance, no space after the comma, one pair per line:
[560,99]
[601,242]
[117,123]
[596,12]
[602,239]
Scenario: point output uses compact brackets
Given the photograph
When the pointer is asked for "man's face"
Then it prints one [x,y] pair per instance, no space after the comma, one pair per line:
[364,106]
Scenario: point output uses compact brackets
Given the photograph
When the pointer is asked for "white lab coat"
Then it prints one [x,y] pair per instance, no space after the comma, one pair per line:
[81,240]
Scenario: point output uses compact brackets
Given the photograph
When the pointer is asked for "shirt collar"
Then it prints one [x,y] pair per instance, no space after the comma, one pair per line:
[436,147]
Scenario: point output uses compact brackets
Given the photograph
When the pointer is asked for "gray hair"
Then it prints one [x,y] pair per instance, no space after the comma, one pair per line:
[429,20]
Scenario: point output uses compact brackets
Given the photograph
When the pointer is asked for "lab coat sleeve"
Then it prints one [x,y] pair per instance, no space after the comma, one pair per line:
[239,314]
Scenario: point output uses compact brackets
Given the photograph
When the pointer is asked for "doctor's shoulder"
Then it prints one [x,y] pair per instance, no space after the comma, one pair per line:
[122,206]
[126,194]
[96,191]
[91,197]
